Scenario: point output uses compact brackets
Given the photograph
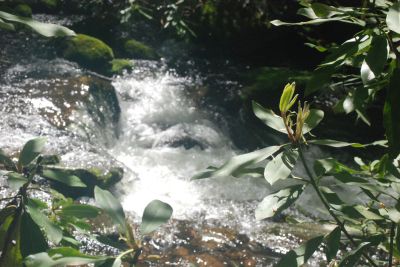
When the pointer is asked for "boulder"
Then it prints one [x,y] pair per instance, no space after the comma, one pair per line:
[89,52]
[135,49]
[118,65]
[23,10]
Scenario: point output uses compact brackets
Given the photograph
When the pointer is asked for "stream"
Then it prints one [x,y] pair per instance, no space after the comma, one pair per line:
[162,131]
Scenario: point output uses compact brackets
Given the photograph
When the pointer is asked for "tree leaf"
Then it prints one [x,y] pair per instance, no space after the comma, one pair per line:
[10,237]
[62,176]
[280,166]
[31,150]
[378,54]
[45,29]
[351,258]
[32,239]
[332,243]
[391,114]
[155,214]
[7,161]
[52,231]
[301,254]
[367,74]
[393,17]
[236,166]
[80,211]
[315,21]
[15,180]
[269,118]
[278,201]
[6,26]
[106,201]
[313,120]
[44,260]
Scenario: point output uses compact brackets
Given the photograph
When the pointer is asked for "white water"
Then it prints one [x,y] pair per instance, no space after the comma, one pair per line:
[158,118]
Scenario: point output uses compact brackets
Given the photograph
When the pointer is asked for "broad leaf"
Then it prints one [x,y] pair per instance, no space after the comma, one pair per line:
[31,150]
[278,201]
[313,120]
[280,166]
[332,243]
[315,21]
[393,18]
[351,258]
[45,29]
[62,176]
[391,113]
[378,54]
[301,254]
[237,166]
[15,180]
[10,249]
[155,214]
[44,260]
[106,201]
[6,26]
[367,74]
[32,239]
[7,161]
[52,231]
[269,118]
[80,211]
[335,143]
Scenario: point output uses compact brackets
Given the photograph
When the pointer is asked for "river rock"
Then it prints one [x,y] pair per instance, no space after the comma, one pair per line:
[135,49]
[23,10]
[120,64]
[89,52]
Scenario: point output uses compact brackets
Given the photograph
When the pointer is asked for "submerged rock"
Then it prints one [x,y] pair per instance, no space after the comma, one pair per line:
[136,49]
[23,10]
[89,52]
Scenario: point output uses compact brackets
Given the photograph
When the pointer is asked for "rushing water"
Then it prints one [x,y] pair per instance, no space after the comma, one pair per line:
[164,136]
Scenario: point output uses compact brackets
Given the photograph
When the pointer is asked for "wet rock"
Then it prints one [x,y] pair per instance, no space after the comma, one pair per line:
[135,49]
[23,10]
[119,65]
[89,52]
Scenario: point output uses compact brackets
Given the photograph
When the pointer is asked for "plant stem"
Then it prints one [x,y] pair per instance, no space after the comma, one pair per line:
[392,228]
[328,207]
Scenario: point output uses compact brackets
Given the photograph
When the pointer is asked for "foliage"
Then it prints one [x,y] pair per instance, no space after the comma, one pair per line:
[35,233]
[372,221]
[8,20]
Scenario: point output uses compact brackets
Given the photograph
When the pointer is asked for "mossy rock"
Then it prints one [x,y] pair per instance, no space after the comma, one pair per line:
[136,49]
[50,5]
[118,65]
[90,177]
[89,52]
[265,84]
[23,10]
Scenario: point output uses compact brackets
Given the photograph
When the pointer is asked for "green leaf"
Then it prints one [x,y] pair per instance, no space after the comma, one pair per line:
[397,238]
[10,235]
[315,21]
[391,113]
[301,254]
[31,150]
[80,211]
[44,260]
[62,176]
[332,243]
[32,239]
[117,263]
[393,18]
[280,166]
[278,201]
[269,118]
[320,79]
[6,26]
[335,143]
[367,74]
[15,180]
[52,231]
[155,214]
[236,166]
[106,201]
[378,54]
[7,161]
[45,29]
[351,258]
[313,120]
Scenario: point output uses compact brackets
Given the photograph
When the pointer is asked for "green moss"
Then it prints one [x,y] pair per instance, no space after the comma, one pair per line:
[49,4]
[118,65]
[265,84]
[23,10]
[89,52]
[136,49]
